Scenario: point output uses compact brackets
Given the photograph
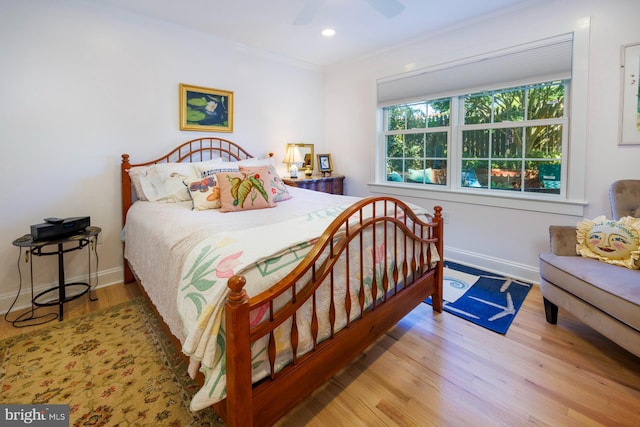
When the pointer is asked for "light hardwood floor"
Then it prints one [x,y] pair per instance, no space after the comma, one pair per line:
[441,370]
[107,297]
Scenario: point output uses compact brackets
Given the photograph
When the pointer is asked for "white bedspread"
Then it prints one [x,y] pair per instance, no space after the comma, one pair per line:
[156,232]
[184,257]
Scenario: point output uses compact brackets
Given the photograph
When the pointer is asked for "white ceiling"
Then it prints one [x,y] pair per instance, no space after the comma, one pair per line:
[360,28]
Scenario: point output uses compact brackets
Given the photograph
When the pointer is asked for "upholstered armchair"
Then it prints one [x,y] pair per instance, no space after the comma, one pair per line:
[624,196]
[604,296]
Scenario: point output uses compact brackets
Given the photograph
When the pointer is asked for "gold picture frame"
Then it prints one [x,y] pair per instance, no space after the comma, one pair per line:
[205,109]
[324,164]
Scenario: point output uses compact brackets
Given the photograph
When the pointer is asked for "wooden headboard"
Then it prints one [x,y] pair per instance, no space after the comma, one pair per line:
[196,150]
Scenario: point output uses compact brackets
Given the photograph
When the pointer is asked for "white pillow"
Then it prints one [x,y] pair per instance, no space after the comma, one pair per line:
[256,162]
[207,163]
[135,173]
[212,169]
[164,182]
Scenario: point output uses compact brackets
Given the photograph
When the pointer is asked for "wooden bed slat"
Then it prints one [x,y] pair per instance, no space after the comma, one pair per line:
[334,247]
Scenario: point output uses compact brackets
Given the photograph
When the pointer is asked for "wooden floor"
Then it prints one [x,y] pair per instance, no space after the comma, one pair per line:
[441,370]
[106,297]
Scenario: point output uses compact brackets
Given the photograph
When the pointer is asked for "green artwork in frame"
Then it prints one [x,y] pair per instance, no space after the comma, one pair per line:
[205,109]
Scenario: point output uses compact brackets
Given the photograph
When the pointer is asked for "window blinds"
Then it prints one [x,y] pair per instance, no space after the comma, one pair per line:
[543,60]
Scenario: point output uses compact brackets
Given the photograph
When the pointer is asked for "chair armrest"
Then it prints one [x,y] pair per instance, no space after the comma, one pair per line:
[563,240]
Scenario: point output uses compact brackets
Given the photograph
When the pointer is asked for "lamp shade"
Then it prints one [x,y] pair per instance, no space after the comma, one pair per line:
[292,158]
[293,155]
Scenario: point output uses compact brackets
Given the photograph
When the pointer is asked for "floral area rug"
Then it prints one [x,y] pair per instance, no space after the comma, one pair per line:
[115,367]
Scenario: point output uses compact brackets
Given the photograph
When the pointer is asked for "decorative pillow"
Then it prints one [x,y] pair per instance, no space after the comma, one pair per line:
[164,182]
[249,189]
[205,164]
[253,161]
[205,170]
[205,193]
[280,192]
[614,242]
[135,173]
[230,166]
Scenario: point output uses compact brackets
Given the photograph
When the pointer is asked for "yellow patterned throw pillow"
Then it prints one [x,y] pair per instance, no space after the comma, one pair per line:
[249,189]
[613,242]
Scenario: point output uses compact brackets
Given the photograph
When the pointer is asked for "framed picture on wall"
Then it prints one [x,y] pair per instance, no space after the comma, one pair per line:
[205,109]
[324,164]
[630,95]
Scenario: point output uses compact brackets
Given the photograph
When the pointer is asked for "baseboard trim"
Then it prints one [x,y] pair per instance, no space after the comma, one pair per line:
[522,272]
[114,276]
[104,278]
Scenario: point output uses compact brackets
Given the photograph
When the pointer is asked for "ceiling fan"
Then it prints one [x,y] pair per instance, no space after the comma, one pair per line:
[388,8]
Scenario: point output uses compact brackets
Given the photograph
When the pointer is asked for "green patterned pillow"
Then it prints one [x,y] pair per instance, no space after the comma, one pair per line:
[280,192]
[249,189]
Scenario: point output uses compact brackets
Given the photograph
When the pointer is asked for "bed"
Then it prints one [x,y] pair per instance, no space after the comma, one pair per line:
[311,280]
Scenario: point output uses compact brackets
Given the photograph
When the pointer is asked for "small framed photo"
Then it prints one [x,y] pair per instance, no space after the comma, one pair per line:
[324,164]
[204,109]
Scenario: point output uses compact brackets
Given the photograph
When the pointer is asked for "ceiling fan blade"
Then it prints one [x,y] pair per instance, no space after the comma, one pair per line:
[308,12]
[388,8]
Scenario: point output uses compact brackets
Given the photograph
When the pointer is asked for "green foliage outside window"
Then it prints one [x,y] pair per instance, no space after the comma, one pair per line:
[416,143]
[511,139]
[507,157]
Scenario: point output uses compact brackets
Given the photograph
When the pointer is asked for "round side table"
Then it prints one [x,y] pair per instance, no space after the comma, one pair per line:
[63,292]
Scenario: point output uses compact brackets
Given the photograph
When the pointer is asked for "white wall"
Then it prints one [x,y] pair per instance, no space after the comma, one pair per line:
[82,84]
[504,240]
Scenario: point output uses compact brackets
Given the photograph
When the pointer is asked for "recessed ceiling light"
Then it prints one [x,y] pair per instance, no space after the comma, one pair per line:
[328,32]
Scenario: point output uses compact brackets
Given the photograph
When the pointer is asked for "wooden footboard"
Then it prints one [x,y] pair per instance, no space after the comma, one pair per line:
[404,283]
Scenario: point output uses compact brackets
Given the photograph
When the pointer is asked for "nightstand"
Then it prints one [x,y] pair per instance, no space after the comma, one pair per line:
[326,184]
[63,292]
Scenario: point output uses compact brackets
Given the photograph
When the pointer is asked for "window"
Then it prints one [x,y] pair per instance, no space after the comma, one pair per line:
[417,139]
[512,139]
[507,140]
[495,124]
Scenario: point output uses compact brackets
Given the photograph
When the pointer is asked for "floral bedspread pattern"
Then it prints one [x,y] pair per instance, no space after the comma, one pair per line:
[264,255]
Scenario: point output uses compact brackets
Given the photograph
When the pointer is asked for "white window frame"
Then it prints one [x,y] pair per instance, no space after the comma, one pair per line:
[571,201]
[461,127]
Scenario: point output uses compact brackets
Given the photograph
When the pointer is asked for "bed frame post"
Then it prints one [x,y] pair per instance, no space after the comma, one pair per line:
[239,385]
[437,297]
[126,204]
